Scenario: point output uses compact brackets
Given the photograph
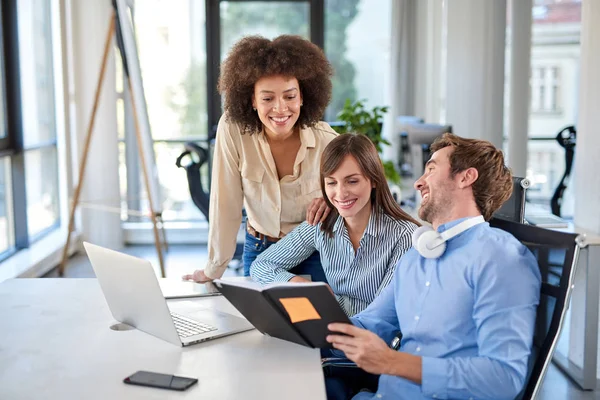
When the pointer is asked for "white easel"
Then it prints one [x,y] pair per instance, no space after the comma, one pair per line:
[155,216]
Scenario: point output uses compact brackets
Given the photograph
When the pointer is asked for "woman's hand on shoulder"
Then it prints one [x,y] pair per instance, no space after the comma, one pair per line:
[317,211]
[198,276]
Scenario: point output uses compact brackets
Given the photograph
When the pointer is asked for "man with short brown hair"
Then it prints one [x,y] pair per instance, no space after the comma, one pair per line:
[464,297]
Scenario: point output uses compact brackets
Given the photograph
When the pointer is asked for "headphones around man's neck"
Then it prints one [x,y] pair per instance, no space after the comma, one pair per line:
[432,244]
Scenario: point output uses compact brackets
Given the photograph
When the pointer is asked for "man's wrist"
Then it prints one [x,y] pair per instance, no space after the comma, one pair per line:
[404,365]
[393,362]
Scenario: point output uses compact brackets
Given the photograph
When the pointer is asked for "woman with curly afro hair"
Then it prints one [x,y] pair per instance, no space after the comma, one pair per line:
[268,149]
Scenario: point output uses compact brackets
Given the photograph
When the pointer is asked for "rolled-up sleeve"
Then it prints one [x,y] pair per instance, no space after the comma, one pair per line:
[273,264]
[226,202]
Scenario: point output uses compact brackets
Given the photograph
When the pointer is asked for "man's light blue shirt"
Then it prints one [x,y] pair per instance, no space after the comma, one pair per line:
[470,314]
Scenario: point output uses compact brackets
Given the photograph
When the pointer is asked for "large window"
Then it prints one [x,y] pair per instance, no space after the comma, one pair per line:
[3,132]
[42,189]
[6,236]
[4,143]
[38,115]
[266,18]
[171,42]
[173,45]
[29,200]
[554,88]
[6,225]
[358,43]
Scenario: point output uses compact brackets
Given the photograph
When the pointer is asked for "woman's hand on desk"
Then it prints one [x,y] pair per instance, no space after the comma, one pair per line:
[198,276]
[317,211]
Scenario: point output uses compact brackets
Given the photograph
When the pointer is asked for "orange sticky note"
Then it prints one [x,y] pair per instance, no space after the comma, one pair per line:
[299,309]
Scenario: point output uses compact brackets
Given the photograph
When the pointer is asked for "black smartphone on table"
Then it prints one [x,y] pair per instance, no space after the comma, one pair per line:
[163,381]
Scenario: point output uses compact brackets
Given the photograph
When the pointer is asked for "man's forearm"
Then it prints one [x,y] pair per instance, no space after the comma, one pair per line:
[405,366]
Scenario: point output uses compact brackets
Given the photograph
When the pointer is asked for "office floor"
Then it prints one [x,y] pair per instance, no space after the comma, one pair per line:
[184,259]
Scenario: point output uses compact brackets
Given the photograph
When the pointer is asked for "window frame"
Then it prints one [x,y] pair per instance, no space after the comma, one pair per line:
[12,146]
[10,39]
[213,49]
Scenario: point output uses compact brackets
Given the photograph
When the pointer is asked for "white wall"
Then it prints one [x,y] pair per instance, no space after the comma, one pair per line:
[90,22]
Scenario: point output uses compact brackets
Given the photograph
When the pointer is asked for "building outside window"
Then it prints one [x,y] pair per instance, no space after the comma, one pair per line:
[554,90]
[545,89]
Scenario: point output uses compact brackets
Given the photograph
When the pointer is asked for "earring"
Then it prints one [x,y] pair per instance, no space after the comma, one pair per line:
[301,104]
[254,108]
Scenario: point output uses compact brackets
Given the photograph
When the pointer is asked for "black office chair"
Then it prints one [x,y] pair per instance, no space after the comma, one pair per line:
[557,254]
[198,156]
[514,208]
[566,138]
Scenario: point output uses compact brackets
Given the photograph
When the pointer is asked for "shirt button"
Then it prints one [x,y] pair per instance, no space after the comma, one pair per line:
[418,349]
[379,396]
[427,283]
[434,396]
[416,317]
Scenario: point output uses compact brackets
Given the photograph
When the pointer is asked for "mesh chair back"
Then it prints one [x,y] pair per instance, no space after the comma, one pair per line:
[556,253]
[514,208]
[198,157]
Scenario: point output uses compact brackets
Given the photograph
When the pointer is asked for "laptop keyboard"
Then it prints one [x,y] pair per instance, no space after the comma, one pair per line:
[187,327]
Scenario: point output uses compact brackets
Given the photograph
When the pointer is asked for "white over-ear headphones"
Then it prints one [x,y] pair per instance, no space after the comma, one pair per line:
[432,244]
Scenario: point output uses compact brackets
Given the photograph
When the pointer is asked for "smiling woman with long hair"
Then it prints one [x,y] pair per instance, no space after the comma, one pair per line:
[361,239]
[267,151]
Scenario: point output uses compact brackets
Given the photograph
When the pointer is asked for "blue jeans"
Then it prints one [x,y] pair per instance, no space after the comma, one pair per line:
[311,266]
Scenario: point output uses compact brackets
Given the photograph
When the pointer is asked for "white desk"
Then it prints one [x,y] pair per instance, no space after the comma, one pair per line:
[55,343]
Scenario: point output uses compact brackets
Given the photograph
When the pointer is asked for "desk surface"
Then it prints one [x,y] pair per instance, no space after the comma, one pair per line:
[55,342]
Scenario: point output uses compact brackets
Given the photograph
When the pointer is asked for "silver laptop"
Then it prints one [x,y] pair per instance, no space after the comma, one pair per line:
[134,298]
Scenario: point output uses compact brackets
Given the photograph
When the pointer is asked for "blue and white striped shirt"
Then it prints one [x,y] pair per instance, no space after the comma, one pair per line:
[356,278]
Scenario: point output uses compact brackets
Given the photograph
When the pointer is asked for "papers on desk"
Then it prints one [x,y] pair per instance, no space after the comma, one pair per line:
[176,289]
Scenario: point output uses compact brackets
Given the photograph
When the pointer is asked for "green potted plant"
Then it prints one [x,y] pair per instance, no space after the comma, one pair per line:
[356,118]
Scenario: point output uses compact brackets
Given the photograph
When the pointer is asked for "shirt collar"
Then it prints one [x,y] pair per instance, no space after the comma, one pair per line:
[339,224]
[372,228]
[307,137]
[448,225]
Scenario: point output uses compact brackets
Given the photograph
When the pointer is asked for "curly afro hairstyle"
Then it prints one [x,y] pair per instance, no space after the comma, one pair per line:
[254,57]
